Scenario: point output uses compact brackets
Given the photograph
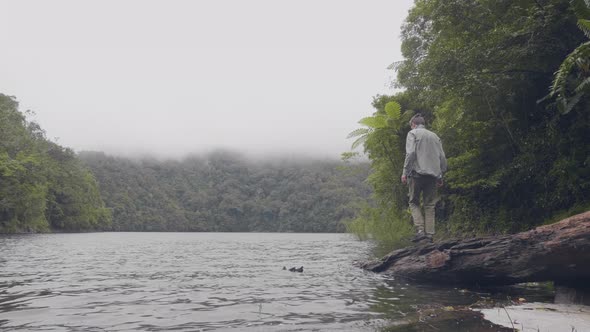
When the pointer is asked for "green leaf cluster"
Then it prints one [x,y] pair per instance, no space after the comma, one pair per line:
[387,119]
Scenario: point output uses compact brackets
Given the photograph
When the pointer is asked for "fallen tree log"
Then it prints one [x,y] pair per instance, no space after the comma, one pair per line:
[558,252]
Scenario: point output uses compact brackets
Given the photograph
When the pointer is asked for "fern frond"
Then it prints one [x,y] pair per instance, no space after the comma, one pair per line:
[585,83]
[348,156]
[358,132]
[559,82]
[581,9]
[568,105]
[395,65]
[359,141]
[393,110]
[547,97]
[378,121]
[584,25]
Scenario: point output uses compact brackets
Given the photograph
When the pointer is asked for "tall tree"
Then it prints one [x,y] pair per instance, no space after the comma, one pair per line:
[43,186]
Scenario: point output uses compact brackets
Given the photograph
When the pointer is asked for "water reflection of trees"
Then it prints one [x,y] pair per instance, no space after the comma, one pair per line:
[413,307]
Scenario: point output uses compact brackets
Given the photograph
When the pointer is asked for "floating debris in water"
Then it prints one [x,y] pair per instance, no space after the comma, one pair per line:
[294,269]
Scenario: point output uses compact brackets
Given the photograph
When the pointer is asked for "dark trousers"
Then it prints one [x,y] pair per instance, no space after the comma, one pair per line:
[427,186]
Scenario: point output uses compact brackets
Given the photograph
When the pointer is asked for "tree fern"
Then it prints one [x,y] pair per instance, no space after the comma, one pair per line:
[372,123]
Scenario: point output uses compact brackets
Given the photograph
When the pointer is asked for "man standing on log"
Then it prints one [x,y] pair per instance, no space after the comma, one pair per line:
[423,171]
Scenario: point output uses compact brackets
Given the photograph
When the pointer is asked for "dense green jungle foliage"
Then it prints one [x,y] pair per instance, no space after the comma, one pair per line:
[224,192]
[505,84]
[43,186]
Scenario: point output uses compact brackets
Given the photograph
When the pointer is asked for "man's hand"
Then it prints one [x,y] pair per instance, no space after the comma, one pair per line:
[404,179]
[439,183]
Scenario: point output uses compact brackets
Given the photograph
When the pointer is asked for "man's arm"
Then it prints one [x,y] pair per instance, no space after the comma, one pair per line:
[443,158]
[410,156]
[443,164]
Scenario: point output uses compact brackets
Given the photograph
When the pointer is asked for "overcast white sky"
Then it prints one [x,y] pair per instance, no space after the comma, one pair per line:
[175,77]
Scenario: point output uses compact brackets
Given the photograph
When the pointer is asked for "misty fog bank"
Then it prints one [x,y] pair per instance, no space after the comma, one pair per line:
[269,157]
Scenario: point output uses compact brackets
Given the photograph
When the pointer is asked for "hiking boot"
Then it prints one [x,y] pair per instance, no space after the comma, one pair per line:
[419,237]
[422,238]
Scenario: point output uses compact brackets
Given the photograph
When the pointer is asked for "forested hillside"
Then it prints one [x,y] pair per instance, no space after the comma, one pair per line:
[46,187]
[225,192]
[505,84]
[43,186]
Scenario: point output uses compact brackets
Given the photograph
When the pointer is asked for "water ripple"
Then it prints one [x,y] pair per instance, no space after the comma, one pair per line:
[183,282]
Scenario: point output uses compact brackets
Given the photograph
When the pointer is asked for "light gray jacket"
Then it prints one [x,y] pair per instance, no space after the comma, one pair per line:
[424,153]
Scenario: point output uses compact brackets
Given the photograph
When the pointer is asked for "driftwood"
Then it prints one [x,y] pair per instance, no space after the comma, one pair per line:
[558,252]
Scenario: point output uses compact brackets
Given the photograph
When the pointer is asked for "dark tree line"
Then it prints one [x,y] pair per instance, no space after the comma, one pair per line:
[225,192]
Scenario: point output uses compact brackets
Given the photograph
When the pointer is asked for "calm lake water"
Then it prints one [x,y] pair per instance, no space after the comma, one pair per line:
[200,282]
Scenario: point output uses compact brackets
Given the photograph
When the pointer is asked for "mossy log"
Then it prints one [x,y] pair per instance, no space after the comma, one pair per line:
[558,252]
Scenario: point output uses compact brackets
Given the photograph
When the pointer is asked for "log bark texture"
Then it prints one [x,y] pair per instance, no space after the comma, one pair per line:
[558,252]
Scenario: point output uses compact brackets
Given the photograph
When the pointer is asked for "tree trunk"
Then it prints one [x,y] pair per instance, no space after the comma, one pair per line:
[558,252]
